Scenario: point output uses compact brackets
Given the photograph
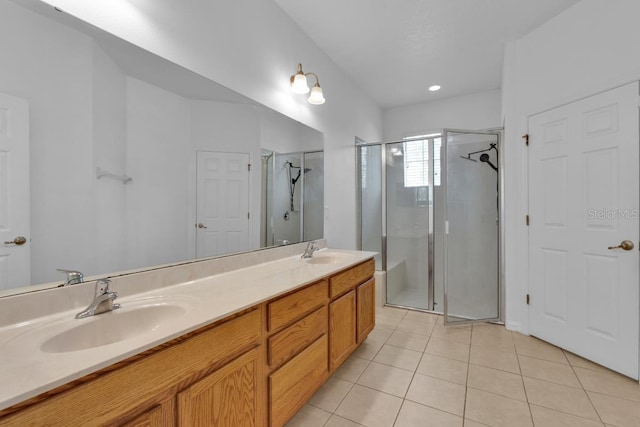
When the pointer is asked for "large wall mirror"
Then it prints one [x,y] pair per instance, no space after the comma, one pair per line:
[113,159]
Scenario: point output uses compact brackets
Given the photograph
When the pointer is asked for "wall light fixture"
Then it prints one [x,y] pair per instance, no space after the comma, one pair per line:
[299,85]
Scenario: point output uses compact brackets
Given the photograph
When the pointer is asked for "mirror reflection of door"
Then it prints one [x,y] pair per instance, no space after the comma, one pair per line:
[222,203]
[14,192]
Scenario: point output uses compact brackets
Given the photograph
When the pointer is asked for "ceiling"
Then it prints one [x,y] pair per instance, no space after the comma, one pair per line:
[395,49]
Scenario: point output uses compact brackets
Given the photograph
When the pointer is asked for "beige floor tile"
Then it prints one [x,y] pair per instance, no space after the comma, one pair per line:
[392,312]
[580,362]
[616,411]
[417,327]
[410,341]
[548,371]
[492,329]
[504,361]
[387,322]
[443,368]
[336,421]
[495,381]
[399,357]
[443,395]
[471,423]
[444,348]
[498,411]
[380,333]
[331,394]
[544,417]
[369,407]
[368,349]
[422,317]
[309,416]
[533,347]
[351,369]
[386,378]
[560,397]
[449,333]
[415,415]
[610,383]
[494,342]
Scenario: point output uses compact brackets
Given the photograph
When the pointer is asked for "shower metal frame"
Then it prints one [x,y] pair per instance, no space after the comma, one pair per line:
[499,132]
[383,196]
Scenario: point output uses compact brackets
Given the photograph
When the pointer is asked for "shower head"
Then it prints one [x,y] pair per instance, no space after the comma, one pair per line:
[468,157]
[484,158]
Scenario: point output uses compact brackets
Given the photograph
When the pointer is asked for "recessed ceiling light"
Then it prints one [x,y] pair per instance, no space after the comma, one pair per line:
[434,88]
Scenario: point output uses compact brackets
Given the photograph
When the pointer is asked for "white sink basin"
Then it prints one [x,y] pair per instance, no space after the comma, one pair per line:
[329,258]
[112,327]
[135,319]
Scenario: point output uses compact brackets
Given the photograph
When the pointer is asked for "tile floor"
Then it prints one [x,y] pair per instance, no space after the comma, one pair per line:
[412,371]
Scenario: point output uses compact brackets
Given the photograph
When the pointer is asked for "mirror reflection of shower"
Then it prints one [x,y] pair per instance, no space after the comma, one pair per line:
[292,197]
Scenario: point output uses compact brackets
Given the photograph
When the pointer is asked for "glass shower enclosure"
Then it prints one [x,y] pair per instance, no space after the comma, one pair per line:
[430,207]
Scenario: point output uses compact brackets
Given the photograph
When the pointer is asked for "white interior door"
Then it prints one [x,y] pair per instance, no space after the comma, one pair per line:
[14,193]
[222,203]
[583,201]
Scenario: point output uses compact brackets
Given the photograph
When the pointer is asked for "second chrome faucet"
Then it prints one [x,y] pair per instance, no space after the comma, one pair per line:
[102,301]
[311,248]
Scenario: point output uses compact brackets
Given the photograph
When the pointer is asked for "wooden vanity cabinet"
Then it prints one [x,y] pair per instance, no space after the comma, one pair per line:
[254,369]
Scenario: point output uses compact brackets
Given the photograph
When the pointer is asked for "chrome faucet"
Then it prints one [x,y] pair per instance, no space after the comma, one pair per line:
[311,248]
[73,276]
[102,302]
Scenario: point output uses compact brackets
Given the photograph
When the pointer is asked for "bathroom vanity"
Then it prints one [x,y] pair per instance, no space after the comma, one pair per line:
[250,348]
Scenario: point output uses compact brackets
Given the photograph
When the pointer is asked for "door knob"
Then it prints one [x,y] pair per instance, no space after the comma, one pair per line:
[17,241]
[627,245]
[201,225]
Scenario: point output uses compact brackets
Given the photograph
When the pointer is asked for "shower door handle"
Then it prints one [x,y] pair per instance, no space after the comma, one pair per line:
[626,245]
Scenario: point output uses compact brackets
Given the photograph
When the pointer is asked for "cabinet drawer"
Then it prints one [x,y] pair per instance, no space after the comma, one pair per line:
[287,343]
[349,279]
[294,306]
[292,385]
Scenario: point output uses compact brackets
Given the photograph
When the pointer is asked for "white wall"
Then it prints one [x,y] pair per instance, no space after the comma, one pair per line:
[252,47]
[590,47]
[475,111]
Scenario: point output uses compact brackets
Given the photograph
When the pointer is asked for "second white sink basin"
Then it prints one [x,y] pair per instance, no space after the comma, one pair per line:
[112,327]
[328,258]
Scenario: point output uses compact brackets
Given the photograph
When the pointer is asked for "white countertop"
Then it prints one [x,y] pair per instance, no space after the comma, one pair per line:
[27,371]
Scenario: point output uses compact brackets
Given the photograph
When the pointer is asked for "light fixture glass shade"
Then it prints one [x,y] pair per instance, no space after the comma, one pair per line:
[299,84]
[316,97]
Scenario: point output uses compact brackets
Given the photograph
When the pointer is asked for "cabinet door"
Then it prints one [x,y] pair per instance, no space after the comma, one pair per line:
[342,329]
[366,308]
[291,386]
[227,397]
[161,415]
